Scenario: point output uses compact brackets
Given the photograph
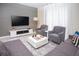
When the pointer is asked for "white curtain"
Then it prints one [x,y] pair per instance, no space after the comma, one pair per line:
[56,15]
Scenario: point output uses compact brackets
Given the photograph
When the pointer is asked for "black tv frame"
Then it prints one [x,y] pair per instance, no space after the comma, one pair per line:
[18,23]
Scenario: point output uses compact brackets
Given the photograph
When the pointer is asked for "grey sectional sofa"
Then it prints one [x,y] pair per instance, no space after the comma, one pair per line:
[14,48]
[17,48]
[65,49]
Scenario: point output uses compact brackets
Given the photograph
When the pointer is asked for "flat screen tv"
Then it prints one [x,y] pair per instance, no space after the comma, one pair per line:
[20,20]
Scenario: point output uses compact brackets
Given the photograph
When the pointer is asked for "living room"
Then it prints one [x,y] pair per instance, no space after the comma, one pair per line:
[39,29]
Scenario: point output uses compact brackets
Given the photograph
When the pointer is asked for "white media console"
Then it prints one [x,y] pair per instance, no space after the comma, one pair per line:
[20,32]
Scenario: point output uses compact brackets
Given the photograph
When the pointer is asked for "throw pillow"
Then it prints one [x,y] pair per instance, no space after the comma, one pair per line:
[75,40]
[76,33]
[3,50]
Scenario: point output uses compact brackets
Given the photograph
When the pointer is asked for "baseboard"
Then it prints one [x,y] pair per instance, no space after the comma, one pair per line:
[4,37]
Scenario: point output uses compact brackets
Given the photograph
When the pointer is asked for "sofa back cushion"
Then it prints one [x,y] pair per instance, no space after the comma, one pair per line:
[59,29]
[3,50]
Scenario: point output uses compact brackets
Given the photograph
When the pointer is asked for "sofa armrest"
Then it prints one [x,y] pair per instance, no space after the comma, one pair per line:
[38,29]
[51,32]
[70,36]
[62,35]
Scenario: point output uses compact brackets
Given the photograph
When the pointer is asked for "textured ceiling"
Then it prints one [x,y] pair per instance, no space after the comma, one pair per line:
[36,5]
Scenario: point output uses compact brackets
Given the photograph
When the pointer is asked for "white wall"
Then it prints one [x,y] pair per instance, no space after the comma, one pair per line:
[73,18]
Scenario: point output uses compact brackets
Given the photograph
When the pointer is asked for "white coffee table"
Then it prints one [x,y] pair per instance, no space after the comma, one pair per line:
[37,43]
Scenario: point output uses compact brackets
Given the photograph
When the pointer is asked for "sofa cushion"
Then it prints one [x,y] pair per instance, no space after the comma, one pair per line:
[65,48]
[77,53]
[3,50]
[55,52]
[68,48]
[17,48]
[54,37]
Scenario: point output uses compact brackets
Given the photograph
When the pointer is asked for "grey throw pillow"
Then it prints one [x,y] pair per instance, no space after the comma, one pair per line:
[3,50]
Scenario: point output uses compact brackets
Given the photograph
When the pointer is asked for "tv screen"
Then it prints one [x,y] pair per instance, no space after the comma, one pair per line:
[20,20]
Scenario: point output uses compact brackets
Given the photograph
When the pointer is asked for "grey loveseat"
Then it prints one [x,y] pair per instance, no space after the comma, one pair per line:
[16,48]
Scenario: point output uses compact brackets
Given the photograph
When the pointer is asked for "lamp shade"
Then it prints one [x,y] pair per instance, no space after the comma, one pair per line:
[35,19]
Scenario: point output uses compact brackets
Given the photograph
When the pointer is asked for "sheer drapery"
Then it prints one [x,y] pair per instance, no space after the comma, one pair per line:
[56,15]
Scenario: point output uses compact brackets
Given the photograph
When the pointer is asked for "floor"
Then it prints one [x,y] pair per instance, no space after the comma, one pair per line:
[37,52]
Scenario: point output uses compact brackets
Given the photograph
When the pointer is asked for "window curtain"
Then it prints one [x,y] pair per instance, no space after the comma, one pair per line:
[56,15]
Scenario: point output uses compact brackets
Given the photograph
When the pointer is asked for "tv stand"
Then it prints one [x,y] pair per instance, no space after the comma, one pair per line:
[20,32]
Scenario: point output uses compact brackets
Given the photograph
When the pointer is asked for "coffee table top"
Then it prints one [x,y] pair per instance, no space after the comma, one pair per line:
[38,38]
